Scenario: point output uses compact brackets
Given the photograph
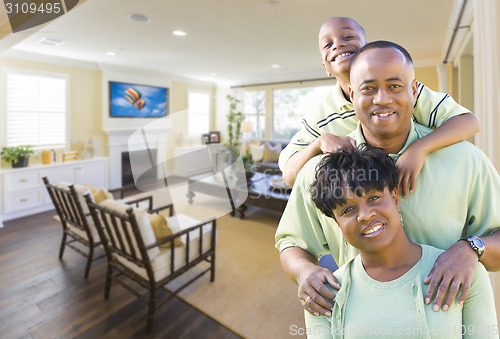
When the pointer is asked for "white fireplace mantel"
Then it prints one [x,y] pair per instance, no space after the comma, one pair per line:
[119,141]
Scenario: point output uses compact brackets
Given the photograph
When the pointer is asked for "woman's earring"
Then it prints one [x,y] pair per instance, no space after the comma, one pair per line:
[401,217]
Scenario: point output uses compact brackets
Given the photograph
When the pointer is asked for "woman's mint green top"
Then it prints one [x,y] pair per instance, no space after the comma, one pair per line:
[367,308]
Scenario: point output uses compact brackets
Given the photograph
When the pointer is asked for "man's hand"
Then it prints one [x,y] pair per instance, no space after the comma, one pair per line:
[325,143]
[302,268]
[330,143]
[409,165]
[452,269]
[314,296]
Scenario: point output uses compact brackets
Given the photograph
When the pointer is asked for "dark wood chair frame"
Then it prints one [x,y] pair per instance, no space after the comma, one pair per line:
[106,219]
[70,212]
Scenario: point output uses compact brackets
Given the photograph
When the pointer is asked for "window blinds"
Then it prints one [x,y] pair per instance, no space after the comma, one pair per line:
[36,110]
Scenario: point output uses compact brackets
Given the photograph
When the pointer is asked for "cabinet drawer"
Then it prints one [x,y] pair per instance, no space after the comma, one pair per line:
[23,200]
[21,181]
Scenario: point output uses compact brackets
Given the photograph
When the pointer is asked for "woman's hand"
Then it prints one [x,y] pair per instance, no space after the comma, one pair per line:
[314,296]
[330,143]
[409,165]
[452,269]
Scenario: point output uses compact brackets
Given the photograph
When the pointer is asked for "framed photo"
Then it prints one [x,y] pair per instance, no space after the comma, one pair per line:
[214,137]
[205,139]
[128,100]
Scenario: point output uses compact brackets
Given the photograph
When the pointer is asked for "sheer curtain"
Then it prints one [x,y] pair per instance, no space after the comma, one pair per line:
[487,91]
[487,76]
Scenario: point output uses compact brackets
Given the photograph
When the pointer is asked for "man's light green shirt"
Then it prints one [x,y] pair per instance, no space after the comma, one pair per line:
[334,114]
[457,194]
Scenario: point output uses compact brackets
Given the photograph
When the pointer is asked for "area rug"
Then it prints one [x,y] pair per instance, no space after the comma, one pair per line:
[251,294]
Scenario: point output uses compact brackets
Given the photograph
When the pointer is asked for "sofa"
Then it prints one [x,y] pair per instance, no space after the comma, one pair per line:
[265,154]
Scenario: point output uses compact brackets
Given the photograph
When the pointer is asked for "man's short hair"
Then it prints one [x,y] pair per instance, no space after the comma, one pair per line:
[381,44]
[362,170]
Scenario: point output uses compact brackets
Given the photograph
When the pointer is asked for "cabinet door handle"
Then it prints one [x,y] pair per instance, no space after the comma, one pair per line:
[23,200]
[23,180]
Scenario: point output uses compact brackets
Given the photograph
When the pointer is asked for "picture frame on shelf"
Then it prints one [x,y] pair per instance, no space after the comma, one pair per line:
[205,139]
[214,137]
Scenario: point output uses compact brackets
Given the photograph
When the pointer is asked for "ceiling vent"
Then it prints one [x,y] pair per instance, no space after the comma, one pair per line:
[50,42]
[139,18]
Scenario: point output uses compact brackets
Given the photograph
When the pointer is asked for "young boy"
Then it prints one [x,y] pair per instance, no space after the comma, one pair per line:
[327,123]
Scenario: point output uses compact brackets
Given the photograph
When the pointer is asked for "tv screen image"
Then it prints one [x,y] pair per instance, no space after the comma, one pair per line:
[137,101]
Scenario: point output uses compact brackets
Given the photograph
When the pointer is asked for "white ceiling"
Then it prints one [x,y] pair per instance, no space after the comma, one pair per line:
[238,40]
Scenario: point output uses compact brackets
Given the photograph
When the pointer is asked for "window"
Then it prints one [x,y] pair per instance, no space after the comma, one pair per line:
[254,108]
[199,112]
[36,108]
[289,108]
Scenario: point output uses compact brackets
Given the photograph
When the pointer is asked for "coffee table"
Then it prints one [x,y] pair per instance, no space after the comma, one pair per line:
[262,192]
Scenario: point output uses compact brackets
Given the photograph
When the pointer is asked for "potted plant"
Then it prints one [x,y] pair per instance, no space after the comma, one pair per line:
[234,120]
[17,155]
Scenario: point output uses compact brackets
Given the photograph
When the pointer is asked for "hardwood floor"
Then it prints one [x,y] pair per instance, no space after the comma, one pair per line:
[43,297]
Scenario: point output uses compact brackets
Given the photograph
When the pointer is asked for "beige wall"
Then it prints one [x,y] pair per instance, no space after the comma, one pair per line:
[85,100]
[428,76]
[179,123]
[86,105]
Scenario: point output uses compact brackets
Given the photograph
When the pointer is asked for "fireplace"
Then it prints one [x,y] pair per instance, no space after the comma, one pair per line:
[119,148]
[141,165]
[127,176]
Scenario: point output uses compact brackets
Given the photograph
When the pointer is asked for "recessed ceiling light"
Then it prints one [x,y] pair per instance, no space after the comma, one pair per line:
[50,42]
[110,53]
[275,66]
[138,17]
[179,33]
[213,74]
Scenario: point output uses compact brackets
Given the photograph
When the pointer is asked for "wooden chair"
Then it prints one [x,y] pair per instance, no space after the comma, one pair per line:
[79,232]
[135,257]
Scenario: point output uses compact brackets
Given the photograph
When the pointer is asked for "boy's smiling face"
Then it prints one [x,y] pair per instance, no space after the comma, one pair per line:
[339,39]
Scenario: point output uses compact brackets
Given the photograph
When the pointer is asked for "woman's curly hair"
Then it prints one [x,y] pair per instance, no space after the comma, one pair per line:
[363,170]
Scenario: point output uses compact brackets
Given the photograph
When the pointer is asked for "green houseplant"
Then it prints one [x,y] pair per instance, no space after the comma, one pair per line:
[234,120]
[17,155]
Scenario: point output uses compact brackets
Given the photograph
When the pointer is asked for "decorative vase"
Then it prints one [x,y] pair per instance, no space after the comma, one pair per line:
[91,148]
[21,162]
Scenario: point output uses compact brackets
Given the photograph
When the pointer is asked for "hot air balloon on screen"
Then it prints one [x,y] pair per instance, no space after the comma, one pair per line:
[134,96]
[140,104]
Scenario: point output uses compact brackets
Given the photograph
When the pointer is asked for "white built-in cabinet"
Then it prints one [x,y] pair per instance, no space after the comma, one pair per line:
[23,193]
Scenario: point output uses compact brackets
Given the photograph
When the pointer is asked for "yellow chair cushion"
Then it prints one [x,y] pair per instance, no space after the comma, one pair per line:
[271,154]
[162,230]
[100,195]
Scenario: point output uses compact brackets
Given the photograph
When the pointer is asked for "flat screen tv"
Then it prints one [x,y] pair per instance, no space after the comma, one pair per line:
[137,101]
